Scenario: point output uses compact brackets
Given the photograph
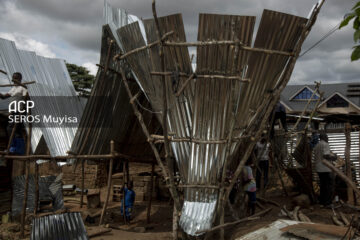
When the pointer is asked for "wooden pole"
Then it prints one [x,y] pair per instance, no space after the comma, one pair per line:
[11,137]
[150,45]
[82,182]
[17,84]
[150,193]
[123,190]
[36,188]
[350,192]
[175,226]
[165,104]
[108,184]
[252,217]
[271,101]
[27,169]
[222,198]
[348,181]
[306,106]
[172,188]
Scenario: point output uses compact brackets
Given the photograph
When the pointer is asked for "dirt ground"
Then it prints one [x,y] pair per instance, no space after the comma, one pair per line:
[161,220]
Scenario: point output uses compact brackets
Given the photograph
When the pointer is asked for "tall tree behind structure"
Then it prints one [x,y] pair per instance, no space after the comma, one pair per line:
[82,80]
[355,14]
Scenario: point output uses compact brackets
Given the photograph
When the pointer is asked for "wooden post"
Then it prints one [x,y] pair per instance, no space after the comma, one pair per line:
[108,184]
[222,198]
[11,136]
[175,223]
[27,169]
[348,181]
[172,188]
[164,112]
[36,188]
[82,182]
[123,190]
[350,192]
[150,193]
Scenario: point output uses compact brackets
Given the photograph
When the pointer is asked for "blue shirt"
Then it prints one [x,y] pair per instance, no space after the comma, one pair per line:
[129,197]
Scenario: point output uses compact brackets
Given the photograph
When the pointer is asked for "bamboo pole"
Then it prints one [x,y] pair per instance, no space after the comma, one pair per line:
[165,108]
[108,185]
[172,188]
[350,193]
[27,169]
[36,188]
[150,193]
[82,182]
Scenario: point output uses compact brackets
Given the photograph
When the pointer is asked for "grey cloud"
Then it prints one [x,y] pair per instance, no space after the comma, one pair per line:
[74,27]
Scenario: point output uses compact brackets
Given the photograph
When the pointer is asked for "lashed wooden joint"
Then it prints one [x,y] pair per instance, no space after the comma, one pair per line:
[133,99]
[192,76]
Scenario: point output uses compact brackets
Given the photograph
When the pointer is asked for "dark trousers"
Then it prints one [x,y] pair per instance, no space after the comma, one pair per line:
[251,202]
[326,188]
[262,170]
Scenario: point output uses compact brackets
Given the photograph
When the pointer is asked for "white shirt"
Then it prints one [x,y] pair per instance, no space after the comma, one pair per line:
[17,91]
[321,149]
[262,151]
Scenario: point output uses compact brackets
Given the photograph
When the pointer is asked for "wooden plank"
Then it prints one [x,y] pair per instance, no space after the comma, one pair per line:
[350,192]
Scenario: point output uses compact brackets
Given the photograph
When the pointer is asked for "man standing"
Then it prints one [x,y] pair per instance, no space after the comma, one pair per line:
[322,151]
[17,145]
[16,91]
[262,156]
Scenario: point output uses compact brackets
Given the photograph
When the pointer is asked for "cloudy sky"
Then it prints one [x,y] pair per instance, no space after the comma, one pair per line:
[71,29]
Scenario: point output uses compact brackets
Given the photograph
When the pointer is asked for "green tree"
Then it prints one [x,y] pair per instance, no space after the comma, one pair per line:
[82,80]
[354,14]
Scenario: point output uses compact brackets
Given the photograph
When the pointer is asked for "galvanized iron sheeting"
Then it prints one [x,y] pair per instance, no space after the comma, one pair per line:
[52,80]
[205,109]
[50,189]
[115,119]
[66,226]
[277,31]
[177,59]
[215,102]
[10,58]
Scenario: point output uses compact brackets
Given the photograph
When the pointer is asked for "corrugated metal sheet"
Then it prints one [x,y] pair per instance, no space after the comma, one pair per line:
[272,231]
[103,123]
[204,110]
[66,226]
[277,31]
[50,188]
[53,85]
